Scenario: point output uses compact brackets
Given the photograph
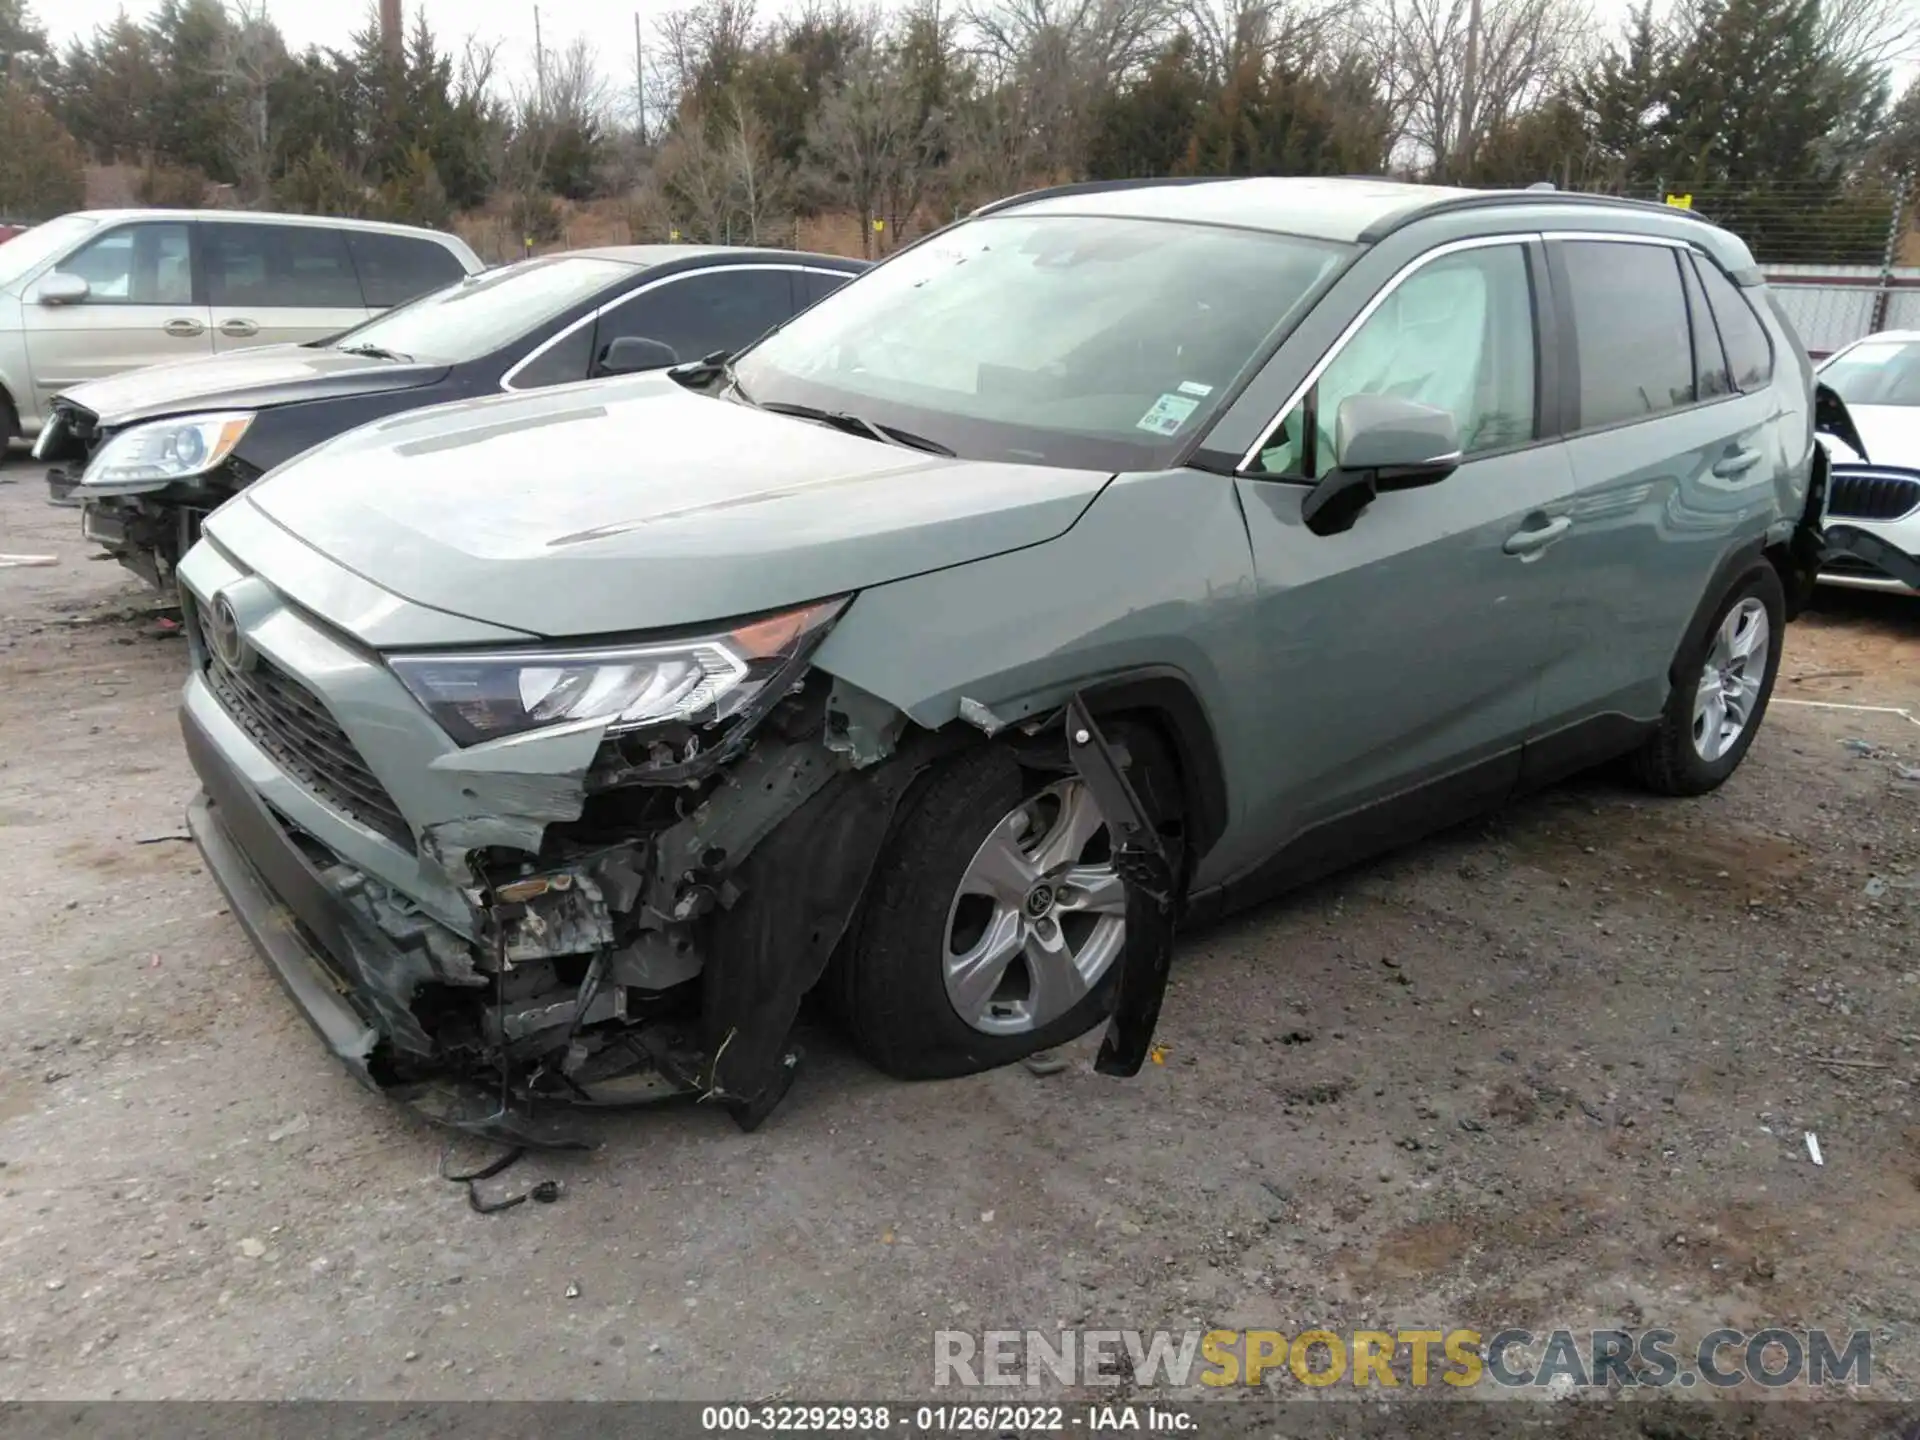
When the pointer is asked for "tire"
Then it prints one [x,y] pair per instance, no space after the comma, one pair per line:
[9,427]
[891,983]
[1673,760]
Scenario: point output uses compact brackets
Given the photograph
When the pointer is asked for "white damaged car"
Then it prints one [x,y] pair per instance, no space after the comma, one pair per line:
[1873,485]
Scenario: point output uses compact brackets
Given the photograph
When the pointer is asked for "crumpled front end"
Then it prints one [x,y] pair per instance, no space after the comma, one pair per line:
[558,916]
[1869,508]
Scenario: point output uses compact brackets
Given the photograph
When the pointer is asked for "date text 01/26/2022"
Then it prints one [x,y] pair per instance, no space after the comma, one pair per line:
[941,1419]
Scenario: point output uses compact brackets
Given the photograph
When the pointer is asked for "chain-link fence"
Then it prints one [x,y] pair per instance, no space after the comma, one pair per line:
[1844,261]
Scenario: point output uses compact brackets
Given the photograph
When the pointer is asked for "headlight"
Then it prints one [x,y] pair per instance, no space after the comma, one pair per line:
[699,679]
[165,450]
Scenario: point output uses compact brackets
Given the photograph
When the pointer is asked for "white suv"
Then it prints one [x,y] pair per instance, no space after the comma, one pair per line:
[101,291]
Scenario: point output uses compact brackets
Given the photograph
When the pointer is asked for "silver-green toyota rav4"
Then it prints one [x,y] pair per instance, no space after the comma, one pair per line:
[1120,553]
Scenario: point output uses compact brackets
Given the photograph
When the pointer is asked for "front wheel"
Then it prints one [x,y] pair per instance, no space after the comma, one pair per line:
[1723,680]
[996,919]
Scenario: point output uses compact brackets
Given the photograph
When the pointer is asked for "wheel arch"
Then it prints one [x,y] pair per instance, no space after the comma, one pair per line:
[1163,698]
[1735,563]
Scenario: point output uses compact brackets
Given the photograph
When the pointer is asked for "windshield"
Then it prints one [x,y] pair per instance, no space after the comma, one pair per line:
[1874,372]
[30,247]
[1057,340]
[483,312]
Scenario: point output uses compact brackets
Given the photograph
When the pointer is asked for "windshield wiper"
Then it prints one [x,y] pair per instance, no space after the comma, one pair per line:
[855,425]
[375,352]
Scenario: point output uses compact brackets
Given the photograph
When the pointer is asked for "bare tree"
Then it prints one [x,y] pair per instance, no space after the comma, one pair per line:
[868,138]
[1226,33]
[1046,63]
[252,56]
[693,177]
[761,187]
[700,53]
[1876,33]
[1524,49]
[577,92]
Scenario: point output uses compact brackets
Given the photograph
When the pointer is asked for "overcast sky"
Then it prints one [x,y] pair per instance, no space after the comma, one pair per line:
[608,24]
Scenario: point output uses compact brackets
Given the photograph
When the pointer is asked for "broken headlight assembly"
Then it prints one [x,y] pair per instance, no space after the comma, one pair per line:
[166,450]
[694,680]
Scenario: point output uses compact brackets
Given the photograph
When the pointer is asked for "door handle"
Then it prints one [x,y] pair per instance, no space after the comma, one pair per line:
[1533,541]
[1738,463]
[239,328]
[185,329]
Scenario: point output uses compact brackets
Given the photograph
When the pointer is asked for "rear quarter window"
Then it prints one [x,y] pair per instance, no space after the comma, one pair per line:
[1749,352]
[397,268]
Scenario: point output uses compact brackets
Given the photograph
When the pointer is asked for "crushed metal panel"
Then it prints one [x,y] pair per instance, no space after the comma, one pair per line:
[860,726]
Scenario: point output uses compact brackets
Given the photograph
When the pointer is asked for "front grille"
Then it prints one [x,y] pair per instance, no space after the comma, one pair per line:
[289,722]
[1857,494]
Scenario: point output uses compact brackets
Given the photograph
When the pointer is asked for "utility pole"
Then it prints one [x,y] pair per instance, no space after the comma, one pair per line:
[539,62]
[390,28]
[639,79]
[1469,84]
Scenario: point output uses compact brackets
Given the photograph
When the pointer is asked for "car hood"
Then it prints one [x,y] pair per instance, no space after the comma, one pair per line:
[1891,434]
[244,380]
[636,504]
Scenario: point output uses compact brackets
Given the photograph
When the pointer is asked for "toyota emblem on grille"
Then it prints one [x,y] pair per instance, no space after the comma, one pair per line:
[223,634]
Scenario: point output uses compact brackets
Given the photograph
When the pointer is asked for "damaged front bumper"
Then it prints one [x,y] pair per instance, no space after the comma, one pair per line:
[146,536]
[493,935]
[286,908]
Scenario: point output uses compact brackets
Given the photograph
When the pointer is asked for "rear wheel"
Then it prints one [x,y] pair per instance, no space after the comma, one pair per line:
[9,426]
[1723,681]
[996,919]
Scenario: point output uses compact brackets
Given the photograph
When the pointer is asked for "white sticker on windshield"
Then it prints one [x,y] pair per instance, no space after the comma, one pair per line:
[1168,414]
[1194,387]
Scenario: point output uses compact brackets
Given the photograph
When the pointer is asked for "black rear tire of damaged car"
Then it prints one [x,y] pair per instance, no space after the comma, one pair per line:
[1671,761]
[891,980]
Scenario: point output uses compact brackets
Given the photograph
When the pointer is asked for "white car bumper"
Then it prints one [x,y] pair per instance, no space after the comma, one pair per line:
[1883,502]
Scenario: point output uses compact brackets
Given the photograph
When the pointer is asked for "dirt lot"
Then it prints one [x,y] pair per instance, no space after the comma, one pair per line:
[1554,1068]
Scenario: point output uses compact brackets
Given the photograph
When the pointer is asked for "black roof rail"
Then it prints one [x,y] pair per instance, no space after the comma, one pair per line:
[1097,187]
[1487,199]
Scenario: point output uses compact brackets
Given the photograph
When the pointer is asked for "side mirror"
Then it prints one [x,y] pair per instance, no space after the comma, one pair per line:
[633,353]
[1381,442]
[60,288]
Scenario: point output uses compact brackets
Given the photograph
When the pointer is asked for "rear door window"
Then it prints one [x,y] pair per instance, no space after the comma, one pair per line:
[1633,348]
[396,268]
[278,266]
[1749,352]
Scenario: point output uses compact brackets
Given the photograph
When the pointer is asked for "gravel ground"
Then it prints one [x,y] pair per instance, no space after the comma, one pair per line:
[1553,1068]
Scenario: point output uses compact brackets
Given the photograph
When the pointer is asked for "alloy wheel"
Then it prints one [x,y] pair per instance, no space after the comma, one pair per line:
[1038,917]
[1730,680]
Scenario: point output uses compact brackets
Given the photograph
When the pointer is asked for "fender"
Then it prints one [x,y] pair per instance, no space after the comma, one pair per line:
[1163,694]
